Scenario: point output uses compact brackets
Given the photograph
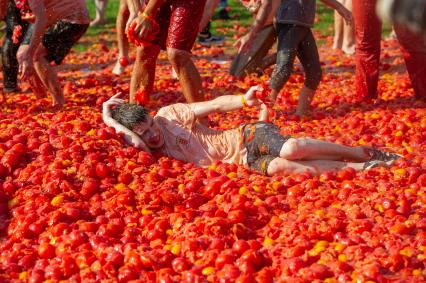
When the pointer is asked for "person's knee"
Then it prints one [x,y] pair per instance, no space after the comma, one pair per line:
[147,54]
[279,166]
[177,57]
[294,149]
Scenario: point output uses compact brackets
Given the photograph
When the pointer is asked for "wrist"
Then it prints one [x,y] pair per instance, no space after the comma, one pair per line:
[148,16]
[244,100]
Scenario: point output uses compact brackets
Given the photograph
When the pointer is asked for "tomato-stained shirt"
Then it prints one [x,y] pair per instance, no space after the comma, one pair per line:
[187,140]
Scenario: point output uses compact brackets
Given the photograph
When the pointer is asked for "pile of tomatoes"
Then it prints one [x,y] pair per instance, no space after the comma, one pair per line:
[78,204]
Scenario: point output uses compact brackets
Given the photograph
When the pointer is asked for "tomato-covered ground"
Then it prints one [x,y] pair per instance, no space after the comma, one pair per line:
[78,204]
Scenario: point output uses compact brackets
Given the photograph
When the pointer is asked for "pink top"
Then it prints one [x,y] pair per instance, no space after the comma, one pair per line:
[187,140]
[73,11]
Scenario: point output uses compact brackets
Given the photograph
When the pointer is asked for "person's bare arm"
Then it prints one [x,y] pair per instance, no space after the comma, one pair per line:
[208,12]
[130,137]
[262,15]
[144,24]
[225,103]
[345,13]
[40,25]
[134,7]
[3,9]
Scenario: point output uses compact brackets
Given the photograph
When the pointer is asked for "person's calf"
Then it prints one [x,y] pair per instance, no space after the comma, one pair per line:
[49,78]
[304,103]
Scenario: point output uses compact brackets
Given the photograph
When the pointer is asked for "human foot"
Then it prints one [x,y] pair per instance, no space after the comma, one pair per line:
[376,154]
[58,101]
[118,69]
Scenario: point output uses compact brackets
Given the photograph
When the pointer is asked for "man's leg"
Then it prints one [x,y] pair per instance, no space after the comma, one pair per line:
[187,73]
[48,76]
[181,35]
[311,149]
[143,74]
[367,50]
[309,57]
[338,31]
[122,42]
[280,166]
[100,6]
[414,50]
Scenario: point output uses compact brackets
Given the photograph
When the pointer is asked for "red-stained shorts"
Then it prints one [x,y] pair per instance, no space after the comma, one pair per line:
[179,23]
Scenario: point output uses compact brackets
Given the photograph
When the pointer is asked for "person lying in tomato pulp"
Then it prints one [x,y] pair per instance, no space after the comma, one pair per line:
[176,132]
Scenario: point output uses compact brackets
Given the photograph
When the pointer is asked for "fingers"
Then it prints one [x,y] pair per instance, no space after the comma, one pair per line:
[254,88]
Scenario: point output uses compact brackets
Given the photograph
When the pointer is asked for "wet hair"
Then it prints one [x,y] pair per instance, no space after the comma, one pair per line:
[129,114]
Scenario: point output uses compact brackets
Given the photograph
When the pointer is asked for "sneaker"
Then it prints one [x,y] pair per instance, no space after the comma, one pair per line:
[210,40]
[376,154]
[10,89]
[373,164]
[223,14]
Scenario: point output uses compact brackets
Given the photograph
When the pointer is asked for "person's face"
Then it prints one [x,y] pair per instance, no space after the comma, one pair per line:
[149,133]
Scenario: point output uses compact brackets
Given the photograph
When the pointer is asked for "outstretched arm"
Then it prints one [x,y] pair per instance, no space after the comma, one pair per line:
[345,13]
[226,103]
[130,137]
[262,15]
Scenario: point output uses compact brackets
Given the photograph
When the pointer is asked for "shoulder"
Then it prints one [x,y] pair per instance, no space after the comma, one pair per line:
[179,112]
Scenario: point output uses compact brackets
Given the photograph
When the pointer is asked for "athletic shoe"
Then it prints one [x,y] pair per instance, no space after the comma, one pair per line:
[210,40]
[376,154]
[373,164]
[10,89]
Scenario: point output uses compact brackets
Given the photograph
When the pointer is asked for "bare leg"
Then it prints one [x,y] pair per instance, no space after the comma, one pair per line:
[37,86]
[101,6]
[304,103]
[123,44]
[338,31]
[280,166]
[143,74]
[48,76]
[348,44]
[188,75]
[311,149]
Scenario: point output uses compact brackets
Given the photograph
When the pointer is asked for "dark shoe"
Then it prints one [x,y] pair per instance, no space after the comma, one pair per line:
[376,154]
[210,40]
[223,14]
[373,164]
[10,89]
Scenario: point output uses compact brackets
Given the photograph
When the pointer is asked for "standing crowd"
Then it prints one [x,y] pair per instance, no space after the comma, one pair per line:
[42,32]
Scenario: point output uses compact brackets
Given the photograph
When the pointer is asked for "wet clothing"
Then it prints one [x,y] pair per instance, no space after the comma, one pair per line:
[9,49]
[59,39]
[254,145]
[298,12]
[179,22]
[295,40]
[73,11]
[368,36]
[187,140]
[263,142]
